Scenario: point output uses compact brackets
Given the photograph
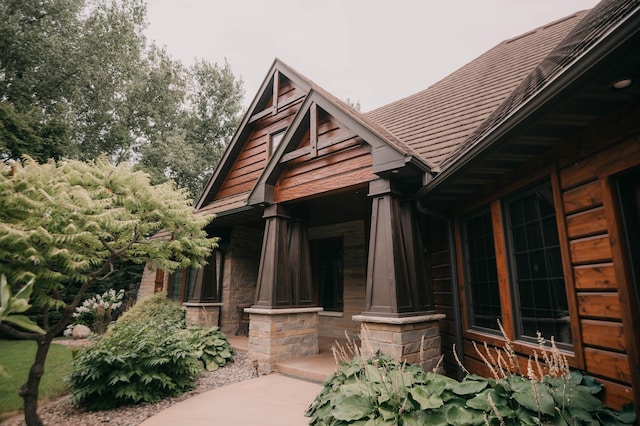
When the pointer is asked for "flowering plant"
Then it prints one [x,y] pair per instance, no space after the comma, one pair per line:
[96,312]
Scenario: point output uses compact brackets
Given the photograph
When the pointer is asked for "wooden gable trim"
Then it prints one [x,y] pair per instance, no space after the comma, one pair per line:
[253,113]
[385,156]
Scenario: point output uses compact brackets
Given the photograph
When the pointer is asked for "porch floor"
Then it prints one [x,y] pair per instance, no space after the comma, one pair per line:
[315,368]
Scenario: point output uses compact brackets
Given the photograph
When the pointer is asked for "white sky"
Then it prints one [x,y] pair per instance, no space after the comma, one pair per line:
[371,51]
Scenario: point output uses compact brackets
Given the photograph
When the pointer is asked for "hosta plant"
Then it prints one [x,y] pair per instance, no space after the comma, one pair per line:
[382,391]
[146,355]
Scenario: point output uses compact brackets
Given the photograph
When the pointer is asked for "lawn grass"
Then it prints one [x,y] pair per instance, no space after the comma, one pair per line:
[16,356]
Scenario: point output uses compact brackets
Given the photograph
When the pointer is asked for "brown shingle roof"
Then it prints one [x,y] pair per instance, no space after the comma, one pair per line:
[435,121]
[595,25]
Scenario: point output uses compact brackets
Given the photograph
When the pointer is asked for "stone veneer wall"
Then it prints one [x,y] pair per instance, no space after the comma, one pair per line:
[204,314]
[415,340]
[279,334]
[242,261]
[355,274]
[147,283]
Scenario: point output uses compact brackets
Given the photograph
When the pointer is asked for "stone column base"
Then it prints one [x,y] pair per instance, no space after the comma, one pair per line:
[203,313]
[279,334]
[414,339]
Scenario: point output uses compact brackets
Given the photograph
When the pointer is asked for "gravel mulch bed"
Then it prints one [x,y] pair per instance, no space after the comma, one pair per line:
[61,412]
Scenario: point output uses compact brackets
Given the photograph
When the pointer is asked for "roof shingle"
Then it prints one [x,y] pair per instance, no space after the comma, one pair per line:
[436,121]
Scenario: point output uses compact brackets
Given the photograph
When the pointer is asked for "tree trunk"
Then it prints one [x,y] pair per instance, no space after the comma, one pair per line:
[29,391]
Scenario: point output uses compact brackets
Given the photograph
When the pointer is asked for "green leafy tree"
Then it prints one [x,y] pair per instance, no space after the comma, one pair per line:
[65,224]
[78,79]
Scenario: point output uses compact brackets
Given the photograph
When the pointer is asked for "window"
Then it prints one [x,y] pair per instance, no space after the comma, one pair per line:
[274,140]
[198,285]
[327,269]
[481,272]
[181,284]
[539,295]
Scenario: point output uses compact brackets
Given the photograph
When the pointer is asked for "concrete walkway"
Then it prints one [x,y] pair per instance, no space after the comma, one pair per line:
[268,400]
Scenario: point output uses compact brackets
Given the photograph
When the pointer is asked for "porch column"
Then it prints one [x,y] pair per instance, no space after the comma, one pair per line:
[399,319]
[396,278]
[283,323]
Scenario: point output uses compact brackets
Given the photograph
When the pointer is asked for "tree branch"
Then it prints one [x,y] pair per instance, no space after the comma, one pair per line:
[18,334]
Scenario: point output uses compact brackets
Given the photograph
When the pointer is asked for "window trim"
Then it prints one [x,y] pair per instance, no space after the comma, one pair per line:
[516,317]
[575,356]
[279,135]
[469,311]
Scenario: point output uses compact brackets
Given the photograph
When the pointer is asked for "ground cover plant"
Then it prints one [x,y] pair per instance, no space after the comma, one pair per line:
[382,391]
[17,356]
[148,354]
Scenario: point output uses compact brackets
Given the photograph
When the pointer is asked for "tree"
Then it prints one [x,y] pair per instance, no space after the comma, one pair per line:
[65,224]
[78,79]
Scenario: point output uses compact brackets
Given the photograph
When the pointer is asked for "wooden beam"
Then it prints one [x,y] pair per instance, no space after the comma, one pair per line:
[261,114]
[565,254]
[276,90]
[295,154]
[313,130]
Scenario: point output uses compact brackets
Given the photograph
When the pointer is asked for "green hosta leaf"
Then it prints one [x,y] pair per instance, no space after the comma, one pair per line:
[627,415]
[388,415]
[468,387]
[543,402]
[354,407]
[461,416]
[427,401]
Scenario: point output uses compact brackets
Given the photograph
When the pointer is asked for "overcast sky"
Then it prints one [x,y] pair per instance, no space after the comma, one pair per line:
[371,51]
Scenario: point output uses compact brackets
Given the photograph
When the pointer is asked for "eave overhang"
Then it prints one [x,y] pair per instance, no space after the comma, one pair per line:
[567,104]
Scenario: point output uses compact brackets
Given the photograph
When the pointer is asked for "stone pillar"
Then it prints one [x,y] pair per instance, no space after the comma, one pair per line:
[206,314]
[279,334]
[414,339]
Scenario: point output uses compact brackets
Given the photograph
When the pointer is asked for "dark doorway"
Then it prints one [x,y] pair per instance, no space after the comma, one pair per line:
[327,265]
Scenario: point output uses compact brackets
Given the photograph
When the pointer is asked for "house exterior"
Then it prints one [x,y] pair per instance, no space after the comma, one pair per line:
[508,191]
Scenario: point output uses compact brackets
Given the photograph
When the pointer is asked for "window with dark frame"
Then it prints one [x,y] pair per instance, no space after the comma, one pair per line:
[327,265]
[198,285]
[537,279]
[481,271]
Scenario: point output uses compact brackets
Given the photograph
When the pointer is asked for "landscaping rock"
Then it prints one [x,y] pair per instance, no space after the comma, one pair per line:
[81,332]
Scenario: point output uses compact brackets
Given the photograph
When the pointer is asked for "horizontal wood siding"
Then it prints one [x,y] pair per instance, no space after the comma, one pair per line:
[436,235]
[254,156]
[607,342]
[594,268]
[340,163]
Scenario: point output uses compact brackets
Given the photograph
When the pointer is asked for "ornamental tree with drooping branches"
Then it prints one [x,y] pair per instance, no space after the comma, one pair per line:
[64,224]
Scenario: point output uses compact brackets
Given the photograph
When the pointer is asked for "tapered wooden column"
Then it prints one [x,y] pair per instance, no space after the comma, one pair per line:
[284,277]
[283,324]
[300,263]
[274,281]
[396,279]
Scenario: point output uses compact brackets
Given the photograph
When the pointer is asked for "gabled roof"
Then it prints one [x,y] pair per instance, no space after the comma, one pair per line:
[238,139]
[389,153]
[435,121]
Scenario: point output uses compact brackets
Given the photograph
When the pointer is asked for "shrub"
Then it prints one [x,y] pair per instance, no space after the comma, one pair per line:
[156,309]
[135,363]
[146,355]
[97,312]
[381,391]
[210,346]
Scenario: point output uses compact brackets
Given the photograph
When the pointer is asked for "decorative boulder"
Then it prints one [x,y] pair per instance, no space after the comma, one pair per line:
[81,332]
